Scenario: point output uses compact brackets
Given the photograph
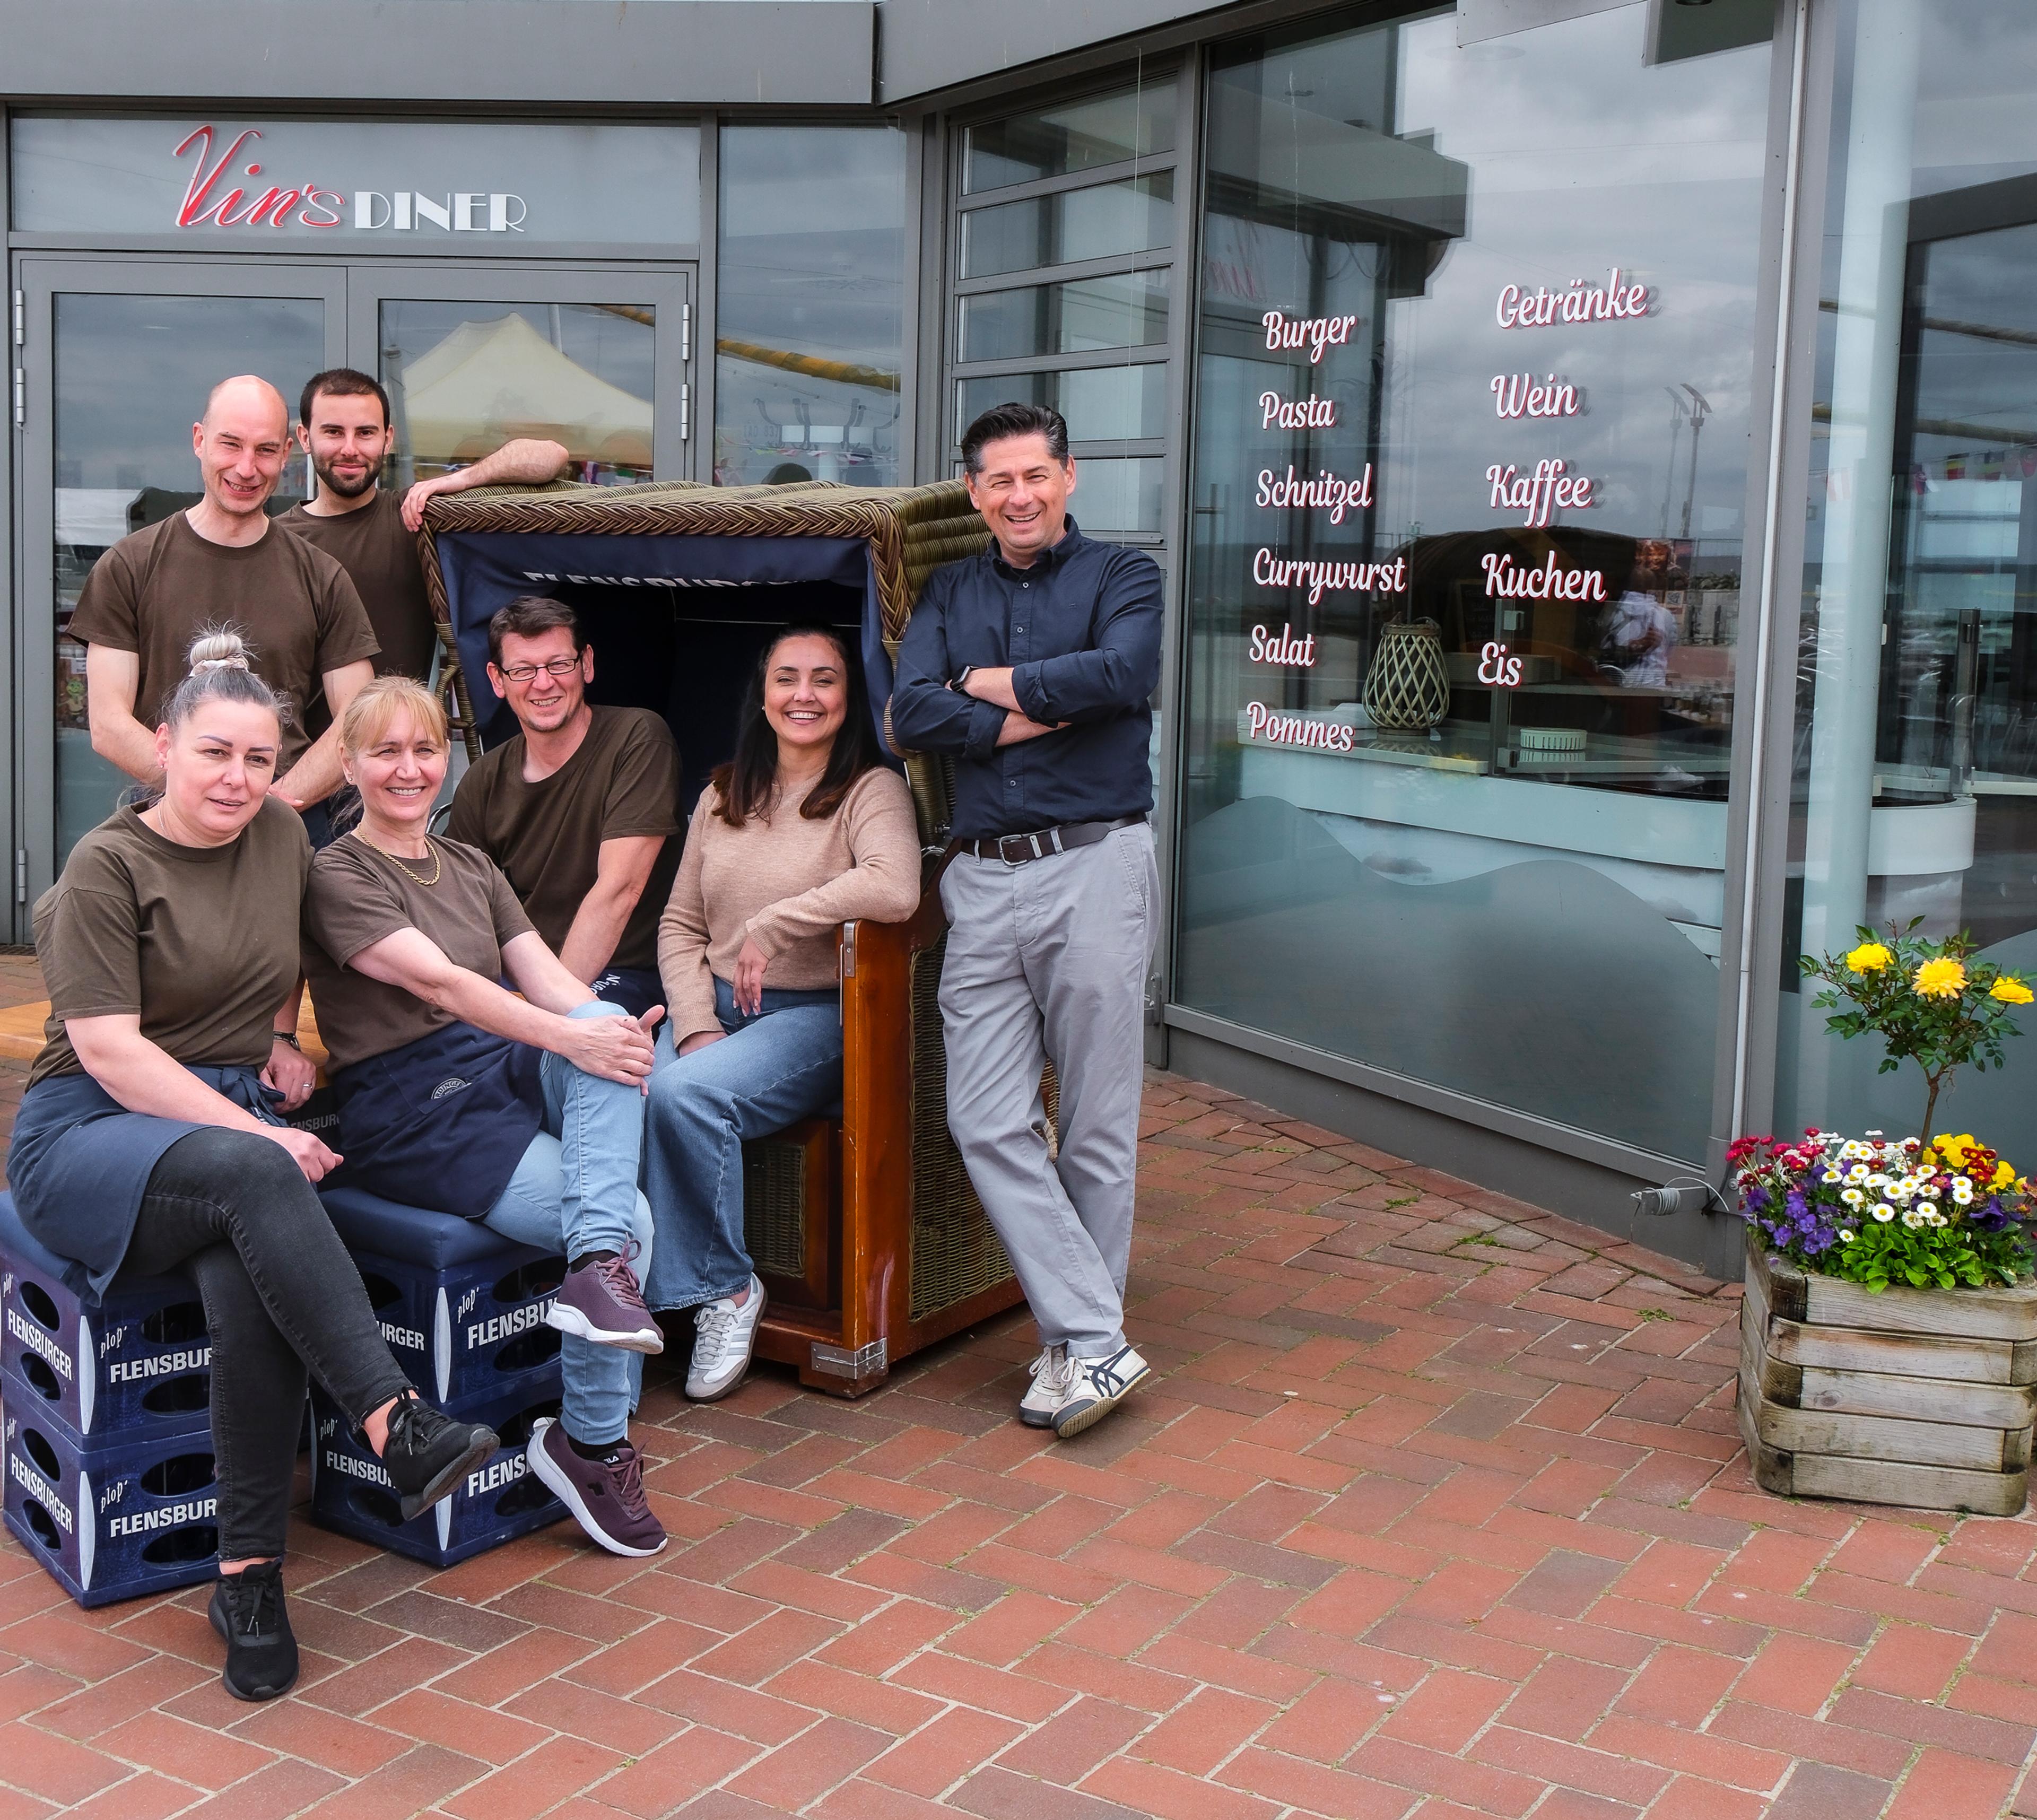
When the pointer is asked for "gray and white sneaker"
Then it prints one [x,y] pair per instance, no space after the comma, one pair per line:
[1053,1377]
[723,1337]
[1100,1386]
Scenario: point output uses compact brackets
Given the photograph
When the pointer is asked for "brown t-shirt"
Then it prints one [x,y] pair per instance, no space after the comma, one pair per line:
[624,780]
[200,941]
[153,591]
[359,894]
[380,558]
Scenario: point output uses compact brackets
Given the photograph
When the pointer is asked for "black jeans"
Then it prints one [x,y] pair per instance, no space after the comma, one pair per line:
[234,1214]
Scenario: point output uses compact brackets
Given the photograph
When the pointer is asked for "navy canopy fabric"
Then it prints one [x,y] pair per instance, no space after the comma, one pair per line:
[484,571]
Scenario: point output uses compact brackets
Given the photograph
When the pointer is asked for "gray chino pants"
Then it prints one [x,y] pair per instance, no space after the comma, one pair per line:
[1048,959]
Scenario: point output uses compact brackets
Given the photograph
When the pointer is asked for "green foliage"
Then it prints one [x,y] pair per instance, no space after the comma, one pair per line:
[1930,1003]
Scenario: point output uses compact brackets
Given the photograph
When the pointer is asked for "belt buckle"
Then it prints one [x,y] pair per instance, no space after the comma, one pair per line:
[1007,843]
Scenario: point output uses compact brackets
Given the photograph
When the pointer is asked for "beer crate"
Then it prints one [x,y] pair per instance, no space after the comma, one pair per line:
[495,1503]
[135,1362]
[137,1514]
[461,1307]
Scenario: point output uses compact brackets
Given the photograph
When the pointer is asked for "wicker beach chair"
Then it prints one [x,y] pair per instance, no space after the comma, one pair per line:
[864,1227]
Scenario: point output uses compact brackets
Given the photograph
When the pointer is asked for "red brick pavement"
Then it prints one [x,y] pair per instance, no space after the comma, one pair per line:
[1433,1509]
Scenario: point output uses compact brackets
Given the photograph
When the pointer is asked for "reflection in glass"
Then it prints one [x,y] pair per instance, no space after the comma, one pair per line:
[1101,404]
[812,311]
[1118,494]
[1915,787]
[1102,129]
[464,378]
[1520,900]
[132,375]
[1075,318]
[1102,221]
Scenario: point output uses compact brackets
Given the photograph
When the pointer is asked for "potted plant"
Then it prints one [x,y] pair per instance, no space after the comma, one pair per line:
[1888,1340]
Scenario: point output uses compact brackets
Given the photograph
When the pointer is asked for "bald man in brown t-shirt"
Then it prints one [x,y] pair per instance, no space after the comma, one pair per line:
[222,563]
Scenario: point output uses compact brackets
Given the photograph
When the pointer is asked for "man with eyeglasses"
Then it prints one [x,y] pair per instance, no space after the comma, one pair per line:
[580,809]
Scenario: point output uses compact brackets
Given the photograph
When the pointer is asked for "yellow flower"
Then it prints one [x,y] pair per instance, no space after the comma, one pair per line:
[2004,1175]
[1868,957]
[2011,991]
[1943,978]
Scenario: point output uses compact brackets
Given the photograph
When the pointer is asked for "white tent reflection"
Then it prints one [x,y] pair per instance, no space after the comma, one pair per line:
[486,382]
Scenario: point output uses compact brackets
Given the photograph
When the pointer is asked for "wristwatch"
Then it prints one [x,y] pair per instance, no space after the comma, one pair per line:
[290,1037]
[961,681]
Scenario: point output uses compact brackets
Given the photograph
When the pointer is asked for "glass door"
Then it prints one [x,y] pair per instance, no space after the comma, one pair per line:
[598,360]
[118,358]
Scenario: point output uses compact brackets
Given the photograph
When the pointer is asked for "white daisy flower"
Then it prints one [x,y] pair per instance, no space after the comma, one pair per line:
[1883,1212]
[1853,1197]
[1913,1219]
[1830,1175]
[1845,1235]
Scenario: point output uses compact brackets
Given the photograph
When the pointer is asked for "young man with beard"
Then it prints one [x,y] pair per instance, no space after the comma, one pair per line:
[580,809]
[344,427]
[222,563]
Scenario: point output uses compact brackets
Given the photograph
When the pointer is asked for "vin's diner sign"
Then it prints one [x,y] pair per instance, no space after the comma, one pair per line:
[471,187]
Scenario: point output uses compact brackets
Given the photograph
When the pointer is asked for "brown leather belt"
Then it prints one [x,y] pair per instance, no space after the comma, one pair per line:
[1016,849]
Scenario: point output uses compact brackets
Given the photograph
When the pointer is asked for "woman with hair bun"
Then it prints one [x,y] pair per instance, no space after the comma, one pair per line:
[525,1113]
[148,1140]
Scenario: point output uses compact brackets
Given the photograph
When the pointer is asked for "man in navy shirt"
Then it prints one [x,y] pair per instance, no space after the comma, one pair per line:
[1034,665]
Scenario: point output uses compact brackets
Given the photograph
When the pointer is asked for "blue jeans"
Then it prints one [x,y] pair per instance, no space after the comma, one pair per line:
[768,1072]
[576,1191]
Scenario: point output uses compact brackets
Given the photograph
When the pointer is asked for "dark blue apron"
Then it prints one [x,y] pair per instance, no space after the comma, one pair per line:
[441,1122]
[80,1163]
[636,989]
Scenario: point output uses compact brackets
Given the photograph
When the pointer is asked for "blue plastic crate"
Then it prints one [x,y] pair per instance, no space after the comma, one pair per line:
[137,1361]
[461,1307]
[498,1502]
[138,1514]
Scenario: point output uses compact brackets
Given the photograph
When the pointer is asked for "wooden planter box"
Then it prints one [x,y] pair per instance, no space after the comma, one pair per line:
[1918,1397]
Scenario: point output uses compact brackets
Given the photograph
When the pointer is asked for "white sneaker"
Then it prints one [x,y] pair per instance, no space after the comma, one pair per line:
[1100,1386]
[1053,1377]
[723,1336]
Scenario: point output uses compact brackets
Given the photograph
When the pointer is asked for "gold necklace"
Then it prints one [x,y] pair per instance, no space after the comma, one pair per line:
[437,862]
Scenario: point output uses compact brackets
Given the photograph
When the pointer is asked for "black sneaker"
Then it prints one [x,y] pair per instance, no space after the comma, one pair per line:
[428,1451]
[261,1653]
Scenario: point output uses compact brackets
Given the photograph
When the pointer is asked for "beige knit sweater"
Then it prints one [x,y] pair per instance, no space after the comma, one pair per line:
[787,882]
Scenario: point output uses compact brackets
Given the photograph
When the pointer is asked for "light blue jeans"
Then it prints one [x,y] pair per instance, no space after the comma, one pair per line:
[768,1072]
[575,1192]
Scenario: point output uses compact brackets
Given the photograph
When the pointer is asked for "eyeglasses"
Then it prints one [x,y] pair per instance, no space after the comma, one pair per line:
[528,672]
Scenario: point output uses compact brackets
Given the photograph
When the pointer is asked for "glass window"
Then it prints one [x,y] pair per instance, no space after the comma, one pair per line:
[1472,426]
[1915,785]
[1075,318]
[132,375]
[464,378]
[811,314]
[1133,123]
[1118,493]
[1107,221]
[1101,404]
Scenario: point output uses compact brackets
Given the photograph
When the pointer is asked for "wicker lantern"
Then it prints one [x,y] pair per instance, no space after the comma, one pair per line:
[1409,686]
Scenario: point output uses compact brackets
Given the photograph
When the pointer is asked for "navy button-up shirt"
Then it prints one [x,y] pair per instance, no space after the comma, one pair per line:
[1080,630]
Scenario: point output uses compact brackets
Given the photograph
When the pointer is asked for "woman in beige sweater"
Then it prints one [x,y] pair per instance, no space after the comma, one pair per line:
[804,828]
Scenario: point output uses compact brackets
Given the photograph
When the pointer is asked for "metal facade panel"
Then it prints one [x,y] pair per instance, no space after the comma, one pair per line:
[931,44]
[449,53]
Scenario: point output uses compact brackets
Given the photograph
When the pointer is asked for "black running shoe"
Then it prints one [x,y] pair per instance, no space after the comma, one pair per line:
[429,1452]
[261,1653]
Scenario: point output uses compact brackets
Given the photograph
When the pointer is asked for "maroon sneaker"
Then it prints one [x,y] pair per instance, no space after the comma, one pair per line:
[606,1496]
[603,1302]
